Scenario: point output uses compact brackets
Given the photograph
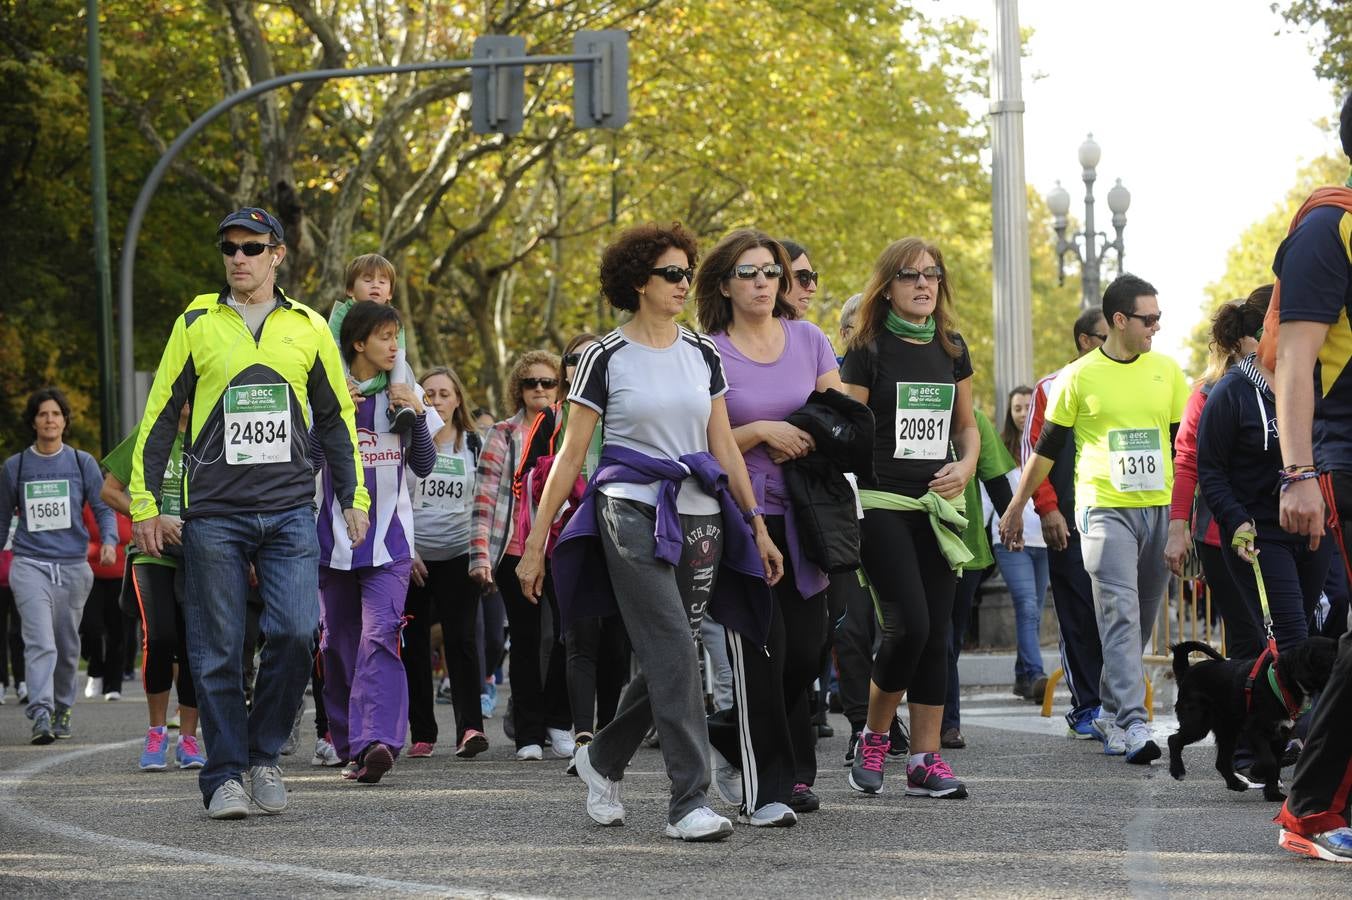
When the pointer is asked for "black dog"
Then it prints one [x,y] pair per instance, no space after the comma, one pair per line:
[1212,698]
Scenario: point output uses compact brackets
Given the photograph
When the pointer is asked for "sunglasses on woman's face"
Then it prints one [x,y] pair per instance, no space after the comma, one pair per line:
[572,359]
[931,273]
[251,248]
[748,271]
[674,274]
[805,277]
[547,383]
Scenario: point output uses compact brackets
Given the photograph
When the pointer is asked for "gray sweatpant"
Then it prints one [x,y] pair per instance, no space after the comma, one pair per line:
[662,608]
[1124,556]
[50,598]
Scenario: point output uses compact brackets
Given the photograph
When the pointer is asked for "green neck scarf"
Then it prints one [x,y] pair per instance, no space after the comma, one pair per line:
[902,328]
[1348,183]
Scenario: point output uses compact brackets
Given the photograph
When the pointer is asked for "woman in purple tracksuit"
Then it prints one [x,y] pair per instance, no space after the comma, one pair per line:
[363,589]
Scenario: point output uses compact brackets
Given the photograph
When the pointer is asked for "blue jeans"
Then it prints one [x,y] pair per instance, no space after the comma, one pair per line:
[217,553]
[1026,574]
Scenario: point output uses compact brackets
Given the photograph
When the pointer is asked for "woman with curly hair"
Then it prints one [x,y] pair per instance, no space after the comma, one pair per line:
[539,693]
[912,368]
[659,519]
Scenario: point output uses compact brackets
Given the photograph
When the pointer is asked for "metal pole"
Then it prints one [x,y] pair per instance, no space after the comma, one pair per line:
[1090,270]
[109,431]
[1013,289]
[157,174]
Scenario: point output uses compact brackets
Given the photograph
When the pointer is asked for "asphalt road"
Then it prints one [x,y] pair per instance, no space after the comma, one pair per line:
[1048,817]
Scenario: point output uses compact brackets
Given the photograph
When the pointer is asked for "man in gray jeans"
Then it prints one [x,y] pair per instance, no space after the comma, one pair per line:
[1120,403]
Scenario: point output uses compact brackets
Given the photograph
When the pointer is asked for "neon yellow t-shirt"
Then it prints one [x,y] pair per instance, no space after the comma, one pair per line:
[1121,413]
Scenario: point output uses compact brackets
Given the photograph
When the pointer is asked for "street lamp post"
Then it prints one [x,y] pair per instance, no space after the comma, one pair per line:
[1090,257]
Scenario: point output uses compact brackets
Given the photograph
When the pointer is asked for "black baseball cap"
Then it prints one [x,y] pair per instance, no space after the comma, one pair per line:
[259,221]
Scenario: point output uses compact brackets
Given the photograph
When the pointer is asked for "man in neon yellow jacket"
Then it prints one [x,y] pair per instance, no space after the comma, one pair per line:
[257,367]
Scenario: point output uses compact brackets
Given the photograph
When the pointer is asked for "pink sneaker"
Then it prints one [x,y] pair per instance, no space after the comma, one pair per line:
[866,775]
[933,778]
[421,749]
[472,744]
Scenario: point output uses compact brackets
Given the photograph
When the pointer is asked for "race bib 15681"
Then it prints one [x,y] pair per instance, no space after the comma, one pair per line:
[46,505]
[257,424]
[1135,459]
[924,413]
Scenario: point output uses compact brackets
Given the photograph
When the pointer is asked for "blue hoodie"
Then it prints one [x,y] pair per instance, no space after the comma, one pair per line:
[1238,454]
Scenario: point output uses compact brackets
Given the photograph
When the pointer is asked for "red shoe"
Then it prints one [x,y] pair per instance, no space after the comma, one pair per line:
[472,744]
[421,750]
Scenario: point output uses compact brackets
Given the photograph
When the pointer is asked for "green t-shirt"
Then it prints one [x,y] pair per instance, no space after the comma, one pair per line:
[993,461]
[1121,413]
[118,464]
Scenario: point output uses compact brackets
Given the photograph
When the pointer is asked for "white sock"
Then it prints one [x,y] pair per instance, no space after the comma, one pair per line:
[916,759]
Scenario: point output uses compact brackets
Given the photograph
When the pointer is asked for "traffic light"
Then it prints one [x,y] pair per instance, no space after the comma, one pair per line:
[601,89]
[498,93]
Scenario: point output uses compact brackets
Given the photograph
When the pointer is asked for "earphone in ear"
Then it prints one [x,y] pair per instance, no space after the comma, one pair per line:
[275,260]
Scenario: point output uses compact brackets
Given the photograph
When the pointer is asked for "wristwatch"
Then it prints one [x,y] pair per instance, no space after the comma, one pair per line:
[749,514]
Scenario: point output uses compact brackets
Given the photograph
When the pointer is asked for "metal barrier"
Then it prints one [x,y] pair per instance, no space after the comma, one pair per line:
[1180,618]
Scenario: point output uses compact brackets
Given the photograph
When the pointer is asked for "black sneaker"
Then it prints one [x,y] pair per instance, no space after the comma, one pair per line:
[803,800]
[900,738]
[850,748]
[401,419]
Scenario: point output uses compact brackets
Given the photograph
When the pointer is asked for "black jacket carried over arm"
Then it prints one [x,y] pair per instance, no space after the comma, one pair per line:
[823,501]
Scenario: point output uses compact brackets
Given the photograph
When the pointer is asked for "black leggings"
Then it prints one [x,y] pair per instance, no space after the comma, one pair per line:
[159,596]
[915,587]
[448,595]
[598,668]
[538,671]
[101,637]
[11,643]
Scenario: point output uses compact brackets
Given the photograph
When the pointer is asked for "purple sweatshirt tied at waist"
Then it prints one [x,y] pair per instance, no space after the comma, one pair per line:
[741,598]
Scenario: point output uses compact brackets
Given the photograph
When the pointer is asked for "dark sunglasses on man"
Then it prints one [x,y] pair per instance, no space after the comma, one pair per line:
[250,248]
[805,277]
[675,274]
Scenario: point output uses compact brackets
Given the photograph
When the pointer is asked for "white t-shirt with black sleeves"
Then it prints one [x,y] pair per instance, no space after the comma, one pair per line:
[656,401]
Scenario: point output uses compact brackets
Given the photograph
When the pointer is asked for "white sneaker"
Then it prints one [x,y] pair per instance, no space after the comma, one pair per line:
[325,755]
[1114,738]
[530,751]
[603,795]
[112,696]
[93,687]
[22,692]
[561,743]
[771,815]
[1141,748]
[727,778]
[701,824]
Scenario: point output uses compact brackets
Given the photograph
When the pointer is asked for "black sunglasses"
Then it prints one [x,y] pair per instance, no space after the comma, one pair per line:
[547,383]
[251,248]
[674,274]
[1101,337]
[1149,321]
[748,271]
[805,276]
[572,359]
[931,273]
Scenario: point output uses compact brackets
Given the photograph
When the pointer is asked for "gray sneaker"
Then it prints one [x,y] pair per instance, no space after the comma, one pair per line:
[266,789]
[42,728]
[1141,748]
[727,778]
[1114,738]
[229,801]
[61,722]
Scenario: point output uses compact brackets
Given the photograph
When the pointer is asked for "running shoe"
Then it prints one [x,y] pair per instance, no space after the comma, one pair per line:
[803,800]
[61,722]
[1292,752]
[1037,688]
[850,748]
[727,778]
[325,755]
[701,824]
[377,760]
[1141,747]
[899,737]
[1330,846]
[21,691]
[471,744]
[112,696]
[771,815]
[1080,724]
[421,750]
[189,753]
[351,769]
[933,778]
[561,742]
[604,804]
[866,775]
[266,789]
[292,739]
[93,687]
[42,728]
[154,756]
[530,752]
[173,720]
[488,699]
[230,801]
[1114,739]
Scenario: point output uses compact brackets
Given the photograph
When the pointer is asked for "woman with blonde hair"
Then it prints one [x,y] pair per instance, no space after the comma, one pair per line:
[539,694]
[910,366]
